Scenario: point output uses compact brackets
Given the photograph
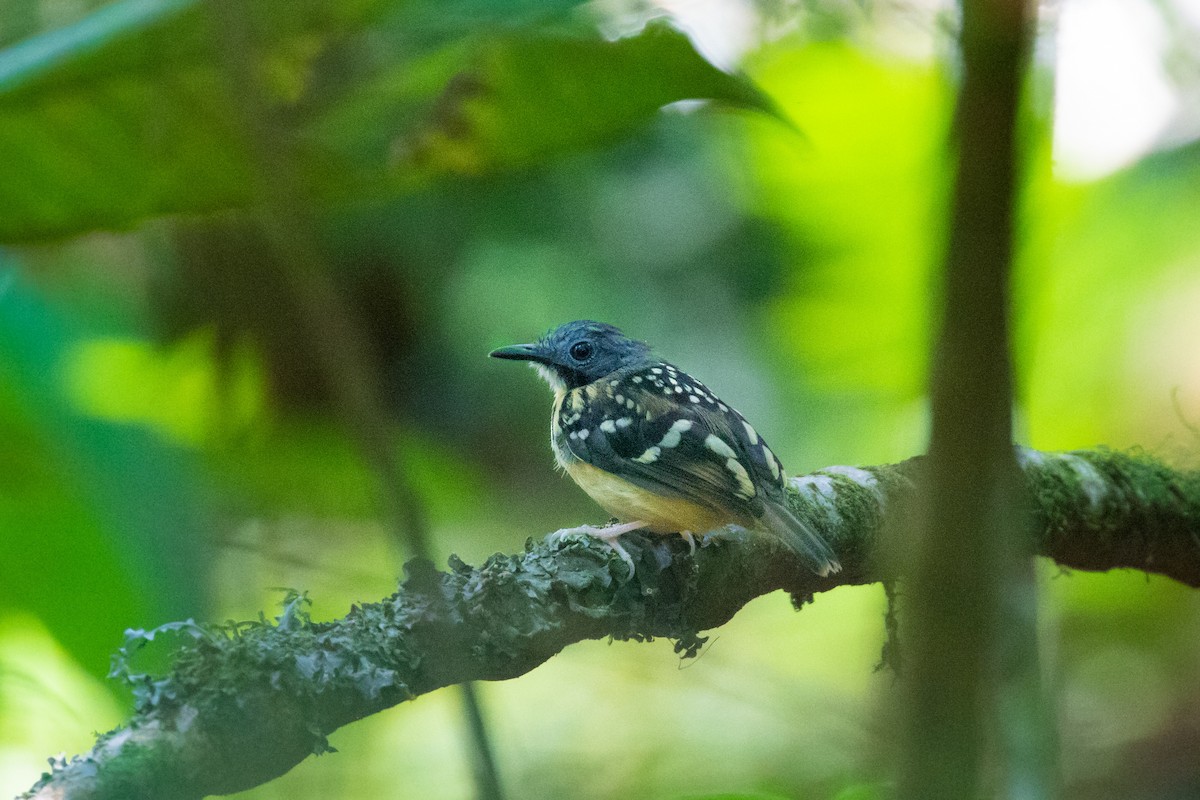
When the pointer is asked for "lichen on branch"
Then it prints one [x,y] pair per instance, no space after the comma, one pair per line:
[243,703]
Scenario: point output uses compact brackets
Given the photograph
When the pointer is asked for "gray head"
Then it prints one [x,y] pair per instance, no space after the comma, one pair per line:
[578,353]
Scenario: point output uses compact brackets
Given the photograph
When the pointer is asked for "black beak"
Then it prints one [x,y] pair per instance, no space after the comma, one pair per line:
[522,352]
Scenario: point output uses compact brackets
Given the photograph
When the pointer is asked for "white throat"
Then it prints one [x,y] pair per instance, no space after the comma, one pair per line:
[550,376]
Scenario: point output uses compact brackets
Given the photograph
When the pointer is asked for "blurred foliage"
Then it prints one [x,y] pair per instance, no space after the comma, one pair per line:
[102,524]
[144,118]
[474,172]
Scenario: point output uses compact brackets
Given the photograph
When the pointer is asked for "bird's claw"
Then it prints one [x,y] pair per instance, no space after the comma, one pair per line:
[609,534]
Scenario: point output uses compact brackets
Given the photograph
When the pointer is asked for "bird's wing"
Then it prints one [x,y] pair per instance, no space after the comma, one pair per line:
[672,446]
[698,449]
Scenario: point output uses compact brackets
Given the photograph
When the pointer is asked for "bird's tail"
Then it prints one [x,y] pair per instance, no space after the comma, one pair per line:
[800,538]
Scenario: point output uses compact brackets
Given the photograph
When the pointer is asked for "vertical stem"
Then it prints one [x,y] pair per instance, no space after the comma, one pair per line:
[487,778]
[968,554]
[336,340]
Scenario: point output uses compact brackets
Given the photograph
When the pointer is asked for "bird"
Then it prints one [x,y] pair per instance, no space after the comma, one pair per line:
[656,448]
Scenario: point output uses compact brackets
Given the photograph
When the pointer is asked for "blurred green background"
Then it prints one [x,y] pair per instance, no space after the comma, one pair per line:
[466,174]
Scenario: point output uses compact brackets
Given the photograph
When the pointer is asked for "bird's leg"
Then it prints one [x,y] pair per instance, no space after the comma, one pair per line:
[691,540]
[608,534]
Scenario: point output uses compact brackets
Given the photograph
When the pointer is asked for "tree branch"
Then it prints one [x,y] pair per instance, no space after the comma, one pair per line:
[243,704]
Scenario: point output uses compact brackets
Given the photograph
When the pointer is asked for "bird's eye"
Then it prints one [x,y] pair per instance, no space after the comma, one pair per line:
[581,351]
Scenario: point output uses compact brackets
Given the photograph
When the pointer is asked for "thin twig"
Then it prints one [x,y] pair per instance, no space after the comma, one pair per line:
[336,340]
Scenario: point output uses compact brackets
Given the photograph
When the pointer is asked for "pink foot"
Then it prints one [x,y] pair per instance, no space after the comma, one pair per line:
[608,534]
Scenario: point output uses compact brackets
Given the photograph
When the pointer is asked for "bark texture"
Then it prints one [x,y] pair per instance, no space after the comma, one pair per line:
[244,703]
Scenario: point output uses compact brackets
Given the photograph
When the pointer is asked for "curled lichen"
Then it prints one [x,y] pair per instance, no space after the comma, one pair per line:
[244,702]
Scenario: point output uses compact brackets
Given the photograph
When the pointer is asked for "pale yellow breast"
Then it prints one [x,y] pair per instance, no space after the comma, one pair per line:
[628,502]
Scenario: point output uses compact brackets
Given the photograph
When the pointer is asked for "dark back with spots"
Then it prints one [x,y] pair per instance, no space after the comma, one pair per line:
[628,417]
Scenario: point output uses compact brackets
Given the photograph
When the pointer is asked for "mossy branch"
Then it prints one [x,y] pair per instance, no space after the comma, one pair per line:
[243,704]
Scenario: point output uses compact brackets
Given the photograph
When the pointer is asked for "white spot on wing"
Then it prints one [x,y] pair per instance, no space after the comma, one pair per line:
[753,434]
[650,456]
[773,462]
[608,426]
[672,437]
[745,485]
[718,446]
[583,434]
[624,422]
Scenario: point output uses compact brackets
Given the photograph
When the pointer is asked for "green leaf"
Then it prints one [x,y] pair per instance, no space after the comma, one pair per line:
[530,98]
[127,113]
[133,112]
[112,119]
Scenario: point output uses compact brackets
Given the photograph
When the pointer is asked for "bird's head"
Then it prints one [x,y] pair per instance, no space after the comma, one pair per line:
[578,353]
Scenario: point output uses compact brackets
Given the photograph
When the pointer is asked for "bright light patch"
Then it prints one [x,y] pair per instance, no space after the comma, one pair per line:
[721,30]
[1163,361]
[1112,100]
[180,391]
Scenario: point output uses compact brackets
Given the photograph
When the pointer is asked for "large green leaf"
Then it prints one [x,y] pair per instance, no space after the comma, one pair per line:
[132,112]
[527,98]
[125,114]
